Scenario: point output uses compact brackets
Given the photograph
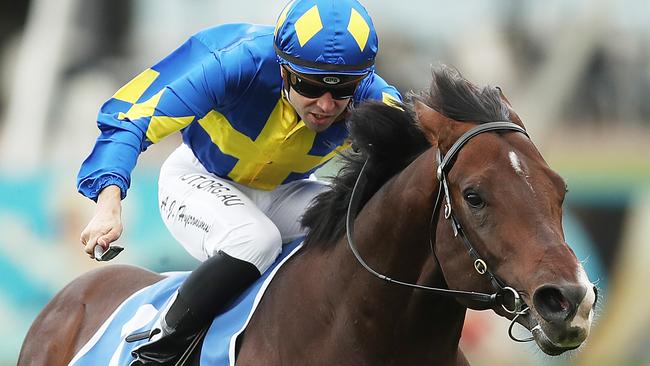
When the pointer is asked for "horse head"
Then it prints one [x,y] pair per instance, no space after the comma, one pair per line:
[506,202]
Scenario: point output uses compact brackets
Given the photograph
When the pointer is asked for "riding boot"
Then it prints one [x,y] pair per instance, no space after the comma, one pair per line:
[207,290]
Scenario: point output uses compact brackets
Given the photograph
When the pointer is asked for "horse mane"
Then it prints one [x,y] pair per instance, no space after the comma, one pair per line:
[453,96]
[389,137]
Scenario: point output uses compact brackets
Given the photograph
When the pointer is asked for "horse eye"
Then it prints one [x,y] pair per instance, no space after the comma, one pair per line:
[474,199]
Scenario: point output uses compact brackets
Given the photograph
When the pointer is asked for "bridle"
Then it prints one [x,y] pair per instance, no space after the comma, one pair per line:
[505,296]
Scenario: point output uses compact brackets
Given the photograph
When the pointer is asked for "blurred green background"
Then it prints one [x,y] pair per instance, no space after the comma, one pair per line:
[576,71]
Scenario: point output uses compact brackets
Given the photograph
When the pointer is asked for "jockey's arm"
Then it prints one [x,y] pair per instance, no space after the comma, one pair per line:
[177,91]
[106,225]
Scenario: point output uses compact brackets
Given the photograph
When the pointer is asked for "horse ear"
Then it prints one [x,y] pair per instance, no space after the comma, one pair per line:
[433,123]
[514,117]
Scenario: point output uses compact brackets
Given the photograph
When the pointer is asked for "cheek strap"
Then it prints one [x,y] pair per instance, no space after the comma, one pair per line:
[285,85]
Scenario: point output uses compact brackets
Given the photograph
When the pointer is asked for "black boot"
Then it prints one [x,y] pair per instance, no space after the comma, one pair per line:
[202,296]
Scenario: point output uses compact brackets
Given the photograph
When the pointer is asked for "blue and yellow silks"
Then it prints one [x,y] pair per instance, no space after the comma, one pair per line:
[222,90]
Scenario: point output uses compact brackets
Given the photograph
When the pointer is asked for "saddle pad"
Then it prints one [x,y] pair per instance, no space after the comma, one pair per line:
[139,312]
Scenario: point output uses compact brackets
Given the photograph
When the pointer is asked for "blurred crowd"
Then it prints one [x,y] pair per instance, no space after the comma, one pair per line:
[577,72]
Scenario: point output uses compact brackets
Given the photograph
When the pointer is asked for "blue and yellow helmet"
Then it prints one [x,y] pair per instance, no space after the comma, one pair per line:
[326,37]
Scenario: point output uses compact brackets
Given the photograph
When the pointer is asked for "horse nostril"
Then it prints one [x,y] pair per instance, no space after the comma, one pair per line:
[595,297]
[550,303]
[558,303]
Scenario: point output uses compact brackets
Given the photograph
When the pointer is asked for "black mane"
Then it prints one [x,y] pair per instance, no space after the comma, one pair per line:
[391,139]
[455,97]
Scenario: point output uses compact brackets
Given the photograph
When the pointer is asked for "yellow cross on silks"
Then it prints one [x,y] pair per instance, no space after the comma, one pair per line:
[281,148]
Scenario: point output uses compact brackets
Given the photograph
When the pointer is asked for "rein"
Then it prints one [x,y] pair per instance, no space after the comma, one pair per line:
[507,297]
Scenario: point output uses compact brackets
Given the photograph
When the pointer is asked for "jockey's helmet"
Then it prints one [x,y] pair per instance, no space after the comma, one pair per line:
[326,37]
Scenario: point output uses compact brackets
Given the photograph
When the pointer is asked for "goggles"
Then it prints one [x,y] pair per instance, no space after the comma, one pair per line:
[339,87]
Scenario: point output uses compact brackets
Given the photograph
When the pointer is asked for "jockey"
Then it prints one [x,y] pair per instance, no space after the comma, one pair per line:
[260,108]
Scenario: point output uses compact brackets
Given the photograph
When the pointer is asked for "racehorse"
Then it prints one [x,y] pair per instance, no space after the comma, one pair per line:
[443,205]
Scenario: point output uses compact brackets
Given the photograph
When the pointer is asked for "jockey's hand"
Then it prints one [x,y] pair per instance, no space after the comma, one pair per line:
[106,226]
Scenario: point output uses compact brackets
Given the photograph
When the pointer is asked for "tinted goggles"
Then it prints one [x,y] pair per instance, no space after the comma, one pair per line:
[313,89]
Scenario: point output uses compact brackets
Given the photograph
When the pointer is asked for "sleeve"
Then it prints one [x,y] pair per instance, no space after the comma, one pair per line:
[164,99]
[374,87]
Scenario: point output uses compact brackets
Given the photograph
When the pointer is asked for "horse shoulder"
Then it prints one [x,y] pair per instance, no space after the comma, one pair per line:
[76,312]
[287,328]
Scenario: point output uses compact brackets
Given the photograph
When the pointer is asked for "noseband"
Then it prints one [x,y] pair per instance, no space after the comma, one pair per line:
[507,297]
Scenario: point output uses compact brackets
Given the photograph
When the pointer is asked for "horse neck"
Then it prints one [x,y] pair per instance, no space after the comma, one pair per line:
[392,235]
[392,230]
[324,300]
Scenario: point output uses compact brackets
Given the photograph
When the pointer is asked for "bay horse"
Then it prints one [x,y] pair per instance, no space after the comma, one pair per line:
[450,206]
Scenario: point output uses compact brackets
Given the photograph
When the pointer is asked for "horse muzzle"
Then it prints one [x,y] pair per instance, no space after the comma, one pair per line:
[561,316]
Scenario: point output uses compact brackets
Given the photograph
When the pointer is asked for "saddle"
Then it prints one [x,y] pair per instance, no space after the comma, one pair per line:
[131,323]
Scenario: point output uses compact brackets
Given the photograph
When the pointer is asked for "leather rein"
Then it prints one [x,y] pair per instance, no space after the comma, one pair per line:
[505,296]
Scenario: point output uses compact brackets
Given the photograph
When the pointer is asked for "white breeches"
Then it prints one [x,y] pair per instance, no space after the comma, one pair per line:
[206,213]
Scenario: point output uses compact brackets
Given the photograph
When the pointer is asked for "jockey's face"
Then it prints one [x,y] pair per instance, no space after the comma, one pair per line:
[317,113]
